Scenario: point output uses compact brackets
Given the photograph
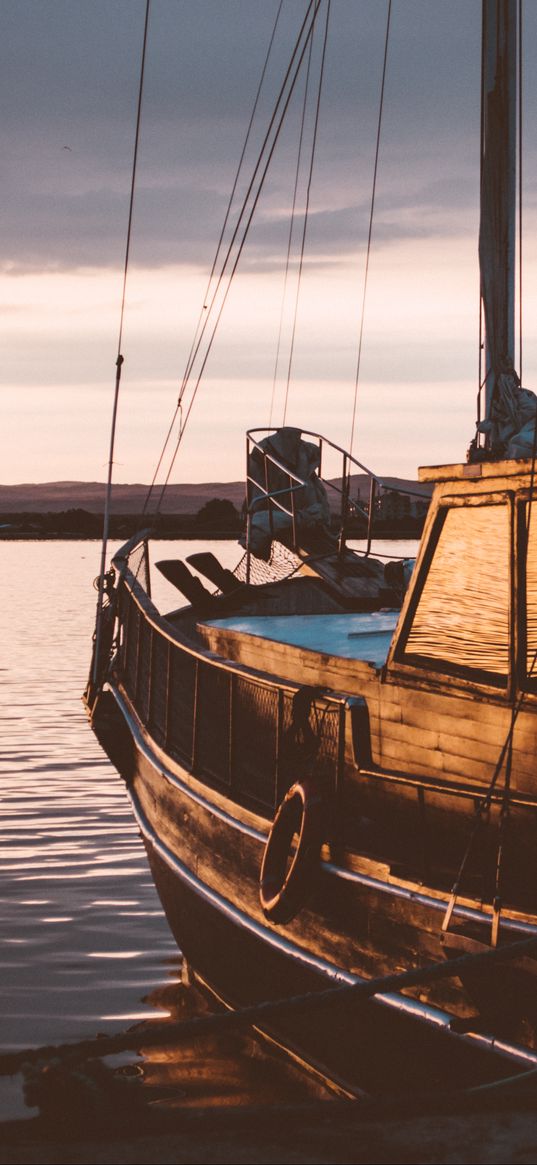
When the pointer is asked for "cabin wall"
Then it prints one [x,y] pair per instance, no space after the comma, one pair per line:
[413,730]
[458,737]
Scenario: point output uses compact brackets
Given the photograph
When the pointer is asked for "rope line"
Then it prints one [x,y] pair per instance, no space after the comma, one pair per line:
[162,1034]
[483,804]
[239,252]
[306,212]
[506,749]
[215,260]
[207,310]
[119,359]
[370,231]
[190,363]
[481,380]
[291,230]
[520,125]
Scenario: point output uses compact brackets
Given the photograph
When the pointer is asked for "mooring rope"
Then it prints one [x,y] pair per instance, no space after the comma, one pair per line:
[162,1034]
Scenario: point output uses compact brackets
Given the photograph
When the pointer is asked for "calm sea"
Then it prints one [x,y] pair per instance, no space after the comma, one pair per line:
[86,948]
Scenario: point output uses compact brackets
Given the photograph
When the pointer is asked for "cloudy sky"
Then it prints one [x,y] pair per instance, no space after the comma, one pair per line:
[69,73]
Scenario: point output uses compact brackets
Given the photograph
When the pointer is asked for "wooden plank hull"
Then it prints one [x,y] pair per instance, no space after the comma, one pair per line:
[211,726]
[205,855]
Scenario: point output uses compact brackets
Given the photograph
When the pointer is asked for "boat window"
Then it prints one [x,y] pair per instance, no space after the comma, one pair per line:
[462,616]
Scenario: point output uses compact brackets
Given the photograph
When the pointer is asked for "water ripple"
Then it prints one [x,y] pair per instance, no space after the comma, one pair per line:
[69,840]
[86,946]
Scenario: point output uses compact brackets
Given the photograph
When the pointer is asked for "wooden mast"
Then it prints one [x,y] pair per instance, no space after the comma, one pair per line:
[497,235]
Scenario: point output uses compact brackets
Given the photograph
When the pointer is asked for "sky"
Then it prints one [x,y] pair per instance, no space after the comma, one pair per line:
[69,71]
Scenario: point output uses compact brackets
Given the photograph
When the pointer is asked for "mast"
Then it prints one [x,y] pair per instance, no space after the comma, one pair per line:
[497,232]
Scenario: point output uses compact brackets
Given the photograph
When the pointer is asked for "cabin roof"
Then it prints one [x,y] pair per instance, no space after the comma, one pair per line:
[471,471]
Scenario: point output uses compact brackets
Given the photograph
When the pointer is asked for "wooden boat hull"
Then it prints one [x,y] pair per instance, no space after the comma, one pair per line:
[421,756]
[205,856]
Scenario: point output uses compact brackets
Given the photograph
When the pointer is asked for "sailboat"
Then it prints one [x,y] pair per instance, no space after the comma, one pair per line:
[332,766]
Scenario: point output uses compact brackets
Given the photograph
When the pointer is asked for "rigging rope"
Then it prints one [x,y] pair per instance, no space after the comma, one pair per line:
[119,359]
[506,750]
[306,211]
[484,804]
[481,380]
[502,843]
[291,229]
[206,310]
[168,1033]
[244,235]
[505,754]
[370,232]
[203,308]
[520,189]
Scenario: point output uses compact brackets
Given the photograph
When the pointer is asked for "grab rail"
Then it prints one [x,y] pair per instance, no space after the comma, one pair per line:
[347,506]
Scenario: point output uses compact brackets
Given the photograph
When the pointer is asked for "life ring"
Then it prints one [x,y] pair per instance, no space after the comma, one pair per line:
[287,877]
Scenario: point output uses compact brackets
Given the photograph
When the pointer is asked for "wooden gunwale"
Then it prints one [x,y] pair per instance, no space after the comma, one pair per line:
[159,623]
[244,820]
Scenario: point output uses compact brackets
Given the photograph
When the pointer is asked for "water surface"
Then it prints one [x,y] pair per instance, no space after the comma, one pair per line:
[86,946]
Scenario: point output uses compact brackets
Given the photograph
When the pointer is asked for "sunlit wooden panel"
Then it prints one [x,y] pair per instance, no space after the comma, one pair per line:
[462,617]
[531,596]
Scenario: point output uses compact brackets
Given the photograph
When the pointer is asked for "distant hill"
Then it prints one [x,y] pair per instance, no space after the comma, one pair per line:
[58,496]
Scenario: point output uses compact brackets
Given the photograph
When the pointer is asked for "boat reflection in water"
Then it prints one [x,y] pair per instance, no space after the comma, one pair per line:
[223,1069]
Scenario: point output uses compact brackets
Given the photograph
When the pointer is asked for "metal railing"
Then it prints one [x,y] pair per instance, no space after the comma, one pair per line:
[270,493]
[216,719]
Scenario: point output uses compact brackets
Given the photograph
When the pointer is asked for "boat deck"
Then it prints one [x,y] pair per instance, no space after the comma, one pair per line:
[360,636]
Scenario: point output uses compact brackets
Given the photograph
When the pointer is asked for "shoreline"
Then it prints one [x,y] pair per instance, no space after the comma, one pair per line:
[189,535]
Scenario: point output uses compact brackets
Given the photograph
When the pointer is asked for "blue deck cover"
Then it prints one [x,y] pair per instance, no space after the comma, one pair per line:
[350,636]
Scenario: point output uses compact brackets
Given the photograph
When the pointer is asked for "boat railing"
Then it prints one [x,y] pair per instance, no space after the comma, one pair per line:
[134,554]
[275,498]
[237,732]
[262,494]
[212,716]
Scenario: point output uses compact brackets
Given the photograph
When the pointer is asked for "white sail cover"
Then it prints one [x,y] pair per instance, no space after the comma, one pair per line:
[513,414]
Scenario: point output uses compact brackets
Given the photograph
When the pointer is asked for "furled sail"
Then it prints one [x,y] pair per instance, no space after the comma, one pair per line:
[510,427]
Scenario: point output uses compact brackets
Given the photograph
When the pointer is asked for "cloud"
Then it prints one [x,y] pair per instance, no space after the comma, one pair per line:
[70,75]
